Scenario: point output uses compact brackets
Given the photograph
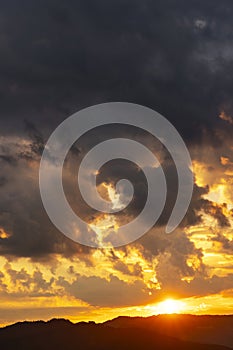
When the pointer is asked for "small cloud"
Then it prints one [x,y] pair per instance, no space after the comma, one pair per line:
[200,23]
[226,117]
[4,234]
[224,160]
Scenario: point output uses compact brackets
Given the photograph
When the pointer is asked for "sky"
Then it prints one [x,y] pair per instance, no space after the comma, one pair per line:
[57,57]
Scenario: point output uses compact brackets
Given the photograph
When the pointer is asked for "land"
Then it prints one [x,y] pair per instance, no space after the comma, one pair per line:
[167,332]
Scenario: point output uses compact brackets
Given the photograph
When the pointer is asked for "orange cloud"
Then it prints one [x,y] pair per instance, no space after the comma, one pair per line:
[226,117]
[4,234]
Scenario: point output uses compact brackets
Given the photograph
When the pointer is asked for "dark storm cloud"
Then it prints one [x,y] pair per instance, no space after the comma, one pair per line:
[117,169]
[30,231]
[199,203]
[57,57]
[22,216]
[173,56]
[31,234]
[8,159]
[30,148]
[3,181]
[37,142]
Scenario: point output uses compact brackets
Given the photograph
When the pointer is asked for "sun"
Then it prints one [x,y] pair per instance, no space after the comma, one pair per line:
[170,306]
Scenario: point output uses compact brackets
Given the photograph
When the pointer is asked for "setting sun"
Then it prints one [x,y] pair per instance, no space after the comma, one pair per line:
[170,306]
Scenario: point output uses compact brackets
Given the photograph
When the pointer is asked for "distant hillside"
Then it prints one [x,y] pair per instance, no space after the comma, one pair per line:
[201,329]
[119,334]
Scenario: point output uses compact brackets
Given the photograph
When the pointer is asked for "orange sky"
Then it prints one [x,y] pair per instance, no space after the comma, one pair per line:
[132,286]
[193,266]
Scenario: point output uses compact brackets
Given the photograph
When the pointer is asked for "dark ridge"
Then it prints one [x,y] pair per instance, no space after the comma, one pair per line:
[198,328]
[167,332]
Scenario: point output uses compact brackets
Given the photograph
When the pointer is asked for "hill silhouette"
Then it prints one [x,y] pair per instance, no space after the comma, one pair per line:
[204,329]
[121,333]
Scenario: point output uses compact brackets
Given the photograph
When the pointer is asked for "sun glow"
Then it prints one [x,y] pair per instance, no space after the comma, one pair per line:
[170,306]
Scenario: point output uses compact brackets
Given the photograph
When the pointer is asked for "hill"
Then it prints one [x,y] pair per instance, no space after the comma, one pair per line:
[121,333]
[201,329]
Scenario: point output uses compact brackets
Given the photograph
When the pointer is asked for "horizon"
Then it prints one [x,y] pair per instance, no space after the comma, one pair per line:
[126,315]
[163,331]
[173,315]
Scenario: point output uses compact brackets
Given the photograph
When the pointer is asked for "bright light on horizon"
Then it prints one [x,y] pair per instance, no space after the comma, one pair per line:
[168,306]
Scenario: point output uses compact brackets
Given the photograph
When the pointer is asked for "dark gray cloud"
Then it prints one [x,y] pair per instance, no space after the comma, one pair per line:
[173,56]
[56,57]
[23,217]
[102,292]
[198,204]
[37,143]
